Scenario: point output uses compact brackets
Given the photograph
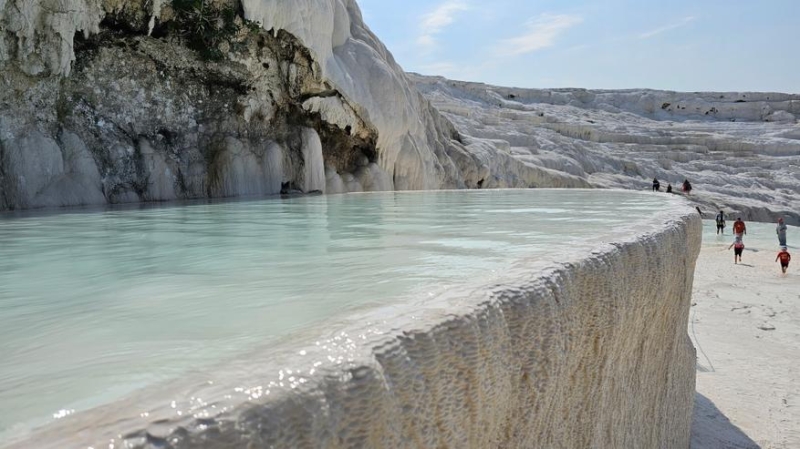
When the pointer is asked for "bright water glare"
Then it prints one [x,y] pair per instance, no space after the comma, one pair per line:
[95,305]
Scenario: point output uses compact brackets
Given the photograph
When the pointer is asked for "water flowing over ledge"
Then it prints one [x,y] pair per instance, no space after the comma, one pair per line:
[586,350]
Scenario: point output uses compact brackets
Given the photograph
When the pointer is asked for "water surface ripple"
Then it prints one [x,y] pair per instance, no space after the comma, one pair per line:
[96,305]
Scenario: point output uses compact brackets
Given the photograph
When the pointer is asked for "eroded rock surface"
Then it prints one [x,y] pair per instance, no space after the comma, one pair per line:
[740,151]
[197,98]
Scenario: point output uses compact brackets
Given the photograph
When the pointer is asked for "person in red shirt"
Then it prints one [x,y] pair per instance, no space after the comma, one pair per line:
[739,227]
[738,249]
[784,257]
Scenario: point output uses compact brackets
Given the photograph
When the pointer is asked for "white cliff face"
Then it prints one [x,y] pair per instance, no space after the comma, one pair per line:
[156,121]
[38,36]
[356,64]
[740,151]
[164,117]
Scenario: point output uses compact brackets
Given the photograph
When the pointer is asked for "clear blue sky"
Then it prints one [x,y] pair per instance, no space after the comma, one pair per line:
[687,45]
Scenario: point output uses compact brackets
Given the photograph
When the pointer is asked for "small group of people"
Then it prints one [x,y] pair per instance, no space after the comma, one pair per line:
[740,230]
[686,186]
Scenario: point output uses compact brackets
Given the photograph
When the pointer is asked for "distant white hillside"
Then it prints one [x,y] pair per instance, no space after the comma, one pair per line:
[740,151]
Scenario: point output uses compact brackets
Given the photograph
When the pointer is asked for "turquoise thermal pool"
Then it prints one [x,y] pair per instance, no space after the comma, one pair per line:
[97,305]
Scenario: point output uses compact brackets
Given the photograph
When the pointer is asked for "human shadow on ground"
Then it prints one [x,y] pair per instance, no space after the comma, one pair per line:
[711,429]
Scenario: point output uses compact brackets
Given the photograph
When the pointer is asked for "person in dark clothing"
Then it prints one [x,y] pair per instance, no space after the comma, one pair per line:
[781,231]
[669,188]
[687,187]
[720,223]
[656,185]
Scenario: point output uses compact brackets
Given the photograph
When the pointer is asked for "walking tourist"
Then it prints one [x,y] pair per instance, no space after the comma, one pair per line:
[739,228]
[781,231]
[784,257]
[687,187]
[738,249]
[720,223]
[656,185]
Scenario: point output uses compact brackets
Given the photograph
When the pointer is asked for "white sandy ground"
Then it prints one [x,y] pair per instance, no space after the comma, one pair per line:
[745,324]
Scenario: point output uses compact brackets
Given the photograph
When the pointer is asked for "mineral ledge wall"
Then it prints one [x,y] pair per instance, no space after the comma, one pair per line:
[120,101]
[590,353]
[740,150]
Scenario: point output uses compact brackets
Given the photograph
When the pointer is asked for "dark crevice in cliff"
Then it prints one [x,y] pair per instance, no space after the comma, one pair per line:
[5,189]
[322,94]
[340,148]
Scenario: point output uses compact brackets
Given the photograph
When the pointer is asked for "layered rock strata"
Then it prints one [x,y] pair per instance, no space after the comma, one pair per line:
[590,352]
[740,151]
[125,101]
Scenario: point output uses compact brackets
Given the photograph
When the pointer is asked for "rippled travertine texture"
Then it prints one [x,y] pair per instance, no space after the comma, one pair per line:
[740,150]
[589,353]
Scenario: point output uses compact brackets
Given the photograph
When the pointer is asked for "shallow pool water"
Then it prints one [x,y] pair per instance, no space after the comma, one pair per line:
[760,236]
[95,305]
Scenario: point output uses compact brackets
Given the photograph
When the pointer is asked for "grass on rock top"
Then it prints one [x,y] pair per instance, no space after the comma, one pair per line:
[208,27]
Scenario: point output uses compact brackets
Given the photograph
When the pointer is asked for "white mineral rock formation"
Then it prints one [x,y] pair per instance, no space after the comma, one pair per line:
[314,170]
[162,121]
[159,122]
[740,151]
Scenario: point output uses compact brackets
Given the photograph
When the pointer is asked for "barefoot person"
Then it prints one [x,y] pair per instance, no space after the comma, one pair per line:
[656,185]
[720,223]
[784,257]
[781,231]
[687,187]
[738,249]
[739,228]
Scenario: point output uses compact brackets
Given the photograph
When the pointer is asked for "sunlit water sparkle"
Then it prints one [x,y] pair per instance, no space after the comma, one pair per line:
[96,305]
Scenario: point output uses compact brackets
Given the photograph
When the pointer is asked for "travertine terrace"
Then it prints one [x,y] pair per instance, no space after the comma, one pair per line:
[589,351]
[740,150]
